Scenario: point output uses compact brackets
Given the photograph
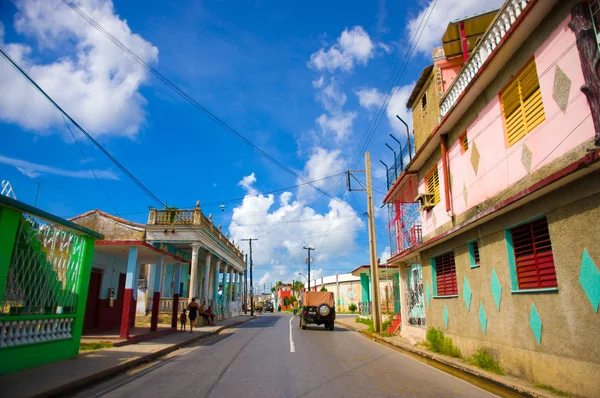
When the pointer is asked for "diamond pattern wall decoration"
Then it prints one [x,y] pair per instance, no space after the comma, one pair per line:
[526,156]
[496,289]
[467,293]
[562,86]
[475,157]
[434,219]
[428,294]
[446,315]
[589,278]
[465,195]
[482,318]
[536,324]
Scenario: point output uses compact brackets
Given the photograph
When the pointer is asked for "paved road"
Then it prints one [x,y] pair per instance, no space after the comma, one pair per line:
[254,360]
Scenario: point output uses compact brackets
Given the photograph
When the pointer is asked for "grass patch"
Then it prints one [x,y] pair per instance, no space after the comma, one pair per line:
[437,342]
[94,346]
[552,390]
[485,361]
[366,321]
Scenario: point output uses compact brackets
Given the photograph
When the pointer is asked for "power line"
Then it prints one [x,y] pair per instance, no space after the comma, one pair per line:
[399,74]
[90,166]
[187,97]
[100,147]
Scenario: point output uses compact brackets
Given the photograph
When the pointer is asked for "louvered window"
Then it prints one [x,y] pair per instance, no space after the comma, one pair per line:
[464,142]
[474,254]
[522,106]
[533,255]
[433,184]
[445,275]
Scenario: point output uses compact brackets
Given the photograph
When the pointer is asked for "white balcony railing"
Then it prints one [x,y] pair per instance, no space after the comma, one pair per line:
[500,26]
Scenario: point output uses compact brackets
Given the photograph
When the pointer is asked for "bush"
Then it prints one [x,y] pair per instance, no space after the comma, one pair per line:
[323,288]
[485,361]
[385,325]
[441,344]
[352,307]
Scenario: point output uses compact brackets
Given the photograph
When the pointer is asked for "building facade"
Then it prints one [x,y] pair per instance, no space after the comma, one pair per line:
[503,253]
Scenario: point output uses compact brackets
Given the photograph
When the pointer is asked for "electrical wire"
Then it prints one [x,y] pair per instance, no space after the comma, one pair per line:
[90,166]
[190,99]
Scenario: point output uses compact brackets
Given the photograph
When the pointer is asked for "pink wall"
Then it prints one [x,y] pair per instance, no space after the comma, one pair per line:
[501,167]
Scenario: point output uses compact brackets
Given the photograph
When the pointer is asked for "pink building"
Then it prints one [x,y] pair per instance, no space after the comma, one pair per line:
[495,218]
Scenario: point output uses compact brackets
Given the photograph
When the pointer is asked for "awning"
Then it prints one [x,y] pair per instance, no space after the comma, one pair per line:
[474,27]
[146,252]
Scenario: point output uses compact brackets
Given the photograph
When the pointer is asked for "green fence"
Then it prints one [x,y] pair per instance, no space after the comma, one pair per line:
[45,266]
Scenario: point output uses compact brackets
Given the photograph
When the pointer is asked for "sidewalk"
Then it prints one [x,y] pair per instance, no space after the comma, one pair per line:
[511,383]
[89,367]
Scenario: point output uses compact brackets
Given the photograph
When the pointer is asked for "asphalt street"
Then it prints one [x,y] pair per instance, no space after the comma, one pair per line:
[272,357]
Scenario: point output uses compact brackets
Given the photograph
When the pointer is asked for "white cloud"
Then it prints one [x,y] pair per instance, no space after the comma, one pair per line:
[33,170]
[385,255]
[91,78]
[352,47]
[369,97]
[283,225]
[322,163]
[319,82]
[340,125]
[247,182]
[441,13]
[332,98]
[397,106]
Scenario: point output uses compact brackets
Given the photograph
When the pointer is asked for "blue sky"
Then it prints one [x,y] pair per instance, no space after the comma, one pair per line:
[299,80]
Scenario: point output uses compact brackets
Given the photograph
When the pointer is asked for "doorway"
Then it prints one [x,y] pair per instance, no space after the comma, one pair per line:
[90,321]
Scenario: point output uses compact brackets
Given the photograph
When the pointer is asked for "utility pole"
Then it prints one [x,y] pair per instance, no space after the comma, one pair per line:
[251,286]
[372,245]
[308,249]
[376,309]
[246,286]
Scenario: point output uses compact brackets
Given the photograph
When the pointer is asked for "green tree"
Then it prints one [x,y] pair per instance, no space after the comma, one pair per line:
[323,288]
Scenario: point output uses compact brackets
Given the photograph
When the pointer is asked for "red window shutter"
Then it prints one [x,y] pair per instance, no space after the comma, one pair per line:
[445,275]
[533,255]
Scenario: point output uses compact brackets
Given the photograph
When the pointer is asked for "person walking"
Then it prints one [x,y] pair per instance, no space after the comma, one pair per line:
[193,308]
[183,320]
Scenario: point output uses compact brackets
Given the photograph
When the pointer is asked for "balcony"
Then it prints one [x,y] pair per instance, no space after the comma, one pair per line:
[498,29]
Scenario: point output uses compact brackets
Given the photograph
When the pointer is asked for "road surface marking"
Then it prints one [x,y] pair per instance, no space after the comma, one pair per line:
[292,346]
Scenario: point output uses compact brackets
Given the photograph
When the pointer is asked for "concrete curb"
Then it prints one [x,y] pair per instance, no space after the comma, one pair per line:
[97,377]
[469,370]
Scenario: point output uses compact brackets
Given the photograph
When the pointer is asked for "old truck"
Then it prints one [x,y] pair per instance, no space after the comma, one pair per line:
[318,308]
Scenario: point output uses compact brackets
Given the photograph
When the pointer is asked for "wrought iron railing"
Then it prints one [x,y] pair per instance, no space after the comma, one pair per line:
[364,308]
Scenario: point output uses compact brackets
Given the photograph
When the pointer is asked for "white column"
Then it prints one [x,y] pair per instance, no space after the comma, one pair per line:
[206,277]
[194,270]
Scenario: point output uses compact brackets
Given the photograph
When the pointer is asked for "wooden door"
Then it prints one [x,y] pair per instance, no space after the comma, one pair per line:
[90,321]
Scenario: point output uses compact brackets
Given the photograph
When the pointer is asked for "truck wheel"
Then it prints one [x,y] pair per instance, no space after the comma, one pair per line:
[302,324]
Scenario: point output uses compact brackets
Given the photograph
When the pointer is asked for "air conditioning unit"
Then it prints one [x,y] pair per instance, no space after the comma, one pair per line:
[426,201]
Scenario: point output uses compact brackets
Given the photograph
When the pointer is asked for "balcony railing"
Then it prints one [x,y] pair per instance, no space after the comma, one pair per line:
[190,217]
[493,37]
[166,304]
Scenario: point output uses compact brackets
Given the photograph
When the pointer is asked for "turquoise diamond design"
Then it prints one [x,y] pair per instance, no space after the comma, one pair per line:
[589,278]
[496,289]
[482,318]
[536,324]
[467,293]
[446,316]
[428,294]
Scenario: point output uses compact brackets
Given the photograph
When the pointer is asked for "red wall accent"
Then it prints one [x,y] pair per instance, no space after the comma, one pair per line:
[128,316]
[154,318]
[175,311]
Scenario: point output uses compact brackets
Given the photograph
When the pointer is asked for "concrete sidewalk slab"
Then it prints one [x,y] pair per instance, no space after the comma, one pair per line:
[91,367]
[510,383]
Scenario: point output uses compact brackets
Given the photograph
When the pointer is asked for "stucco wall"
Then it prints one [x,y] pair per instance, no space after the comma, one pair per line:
[111,229]
[568,356]
[489,167]
[425,120]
